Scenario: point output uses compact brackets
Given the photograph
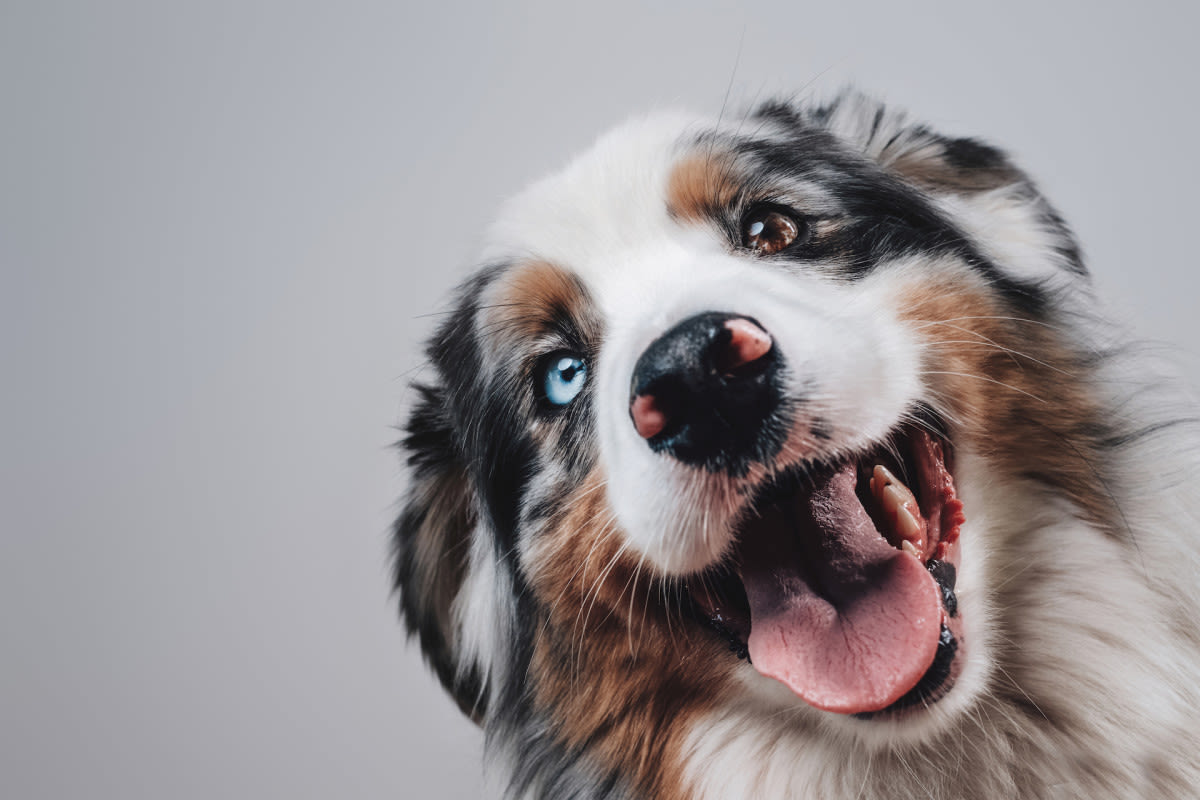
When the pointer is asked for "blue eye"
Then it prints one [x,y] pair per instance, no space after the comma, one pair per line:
[563,376]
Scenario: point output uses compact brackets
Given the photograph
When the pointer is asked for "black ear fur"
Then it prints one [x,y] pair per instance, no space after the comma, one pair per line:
[947,165]
[432,540]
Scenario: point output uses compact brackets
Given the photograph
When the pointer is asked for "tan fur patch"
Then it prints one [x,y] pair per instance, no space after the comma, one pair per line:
[926,166]
[622,673]
[530,299]
[1018,391]
[701,186]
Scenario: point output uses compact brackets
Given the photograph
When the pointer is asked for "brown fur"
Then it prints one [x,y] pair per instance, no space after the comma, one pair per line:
[609,660]
[926,166]
[701,187]
[440,547]
[1016,389]
[530,299]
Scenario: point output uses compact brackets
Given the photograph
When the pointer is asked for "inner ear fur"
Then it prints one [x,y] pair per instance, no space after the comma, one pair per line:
[913,152]
[952,166]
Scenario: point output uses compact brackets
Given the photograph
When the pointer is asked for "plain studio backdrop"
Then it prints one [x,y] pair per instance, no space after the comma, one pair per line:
[224,228]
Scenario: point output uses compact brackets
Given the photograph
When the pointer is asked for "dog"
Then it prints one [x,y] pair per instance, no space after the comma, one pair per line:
[792,456]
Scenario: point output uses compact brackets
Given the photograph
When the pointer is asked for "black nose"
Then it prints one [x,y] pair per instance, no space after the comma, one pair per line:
[707,393]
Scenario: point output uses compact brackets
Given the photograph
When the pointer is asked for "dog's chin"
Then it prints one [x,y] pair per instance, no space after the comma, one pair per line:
[840,587]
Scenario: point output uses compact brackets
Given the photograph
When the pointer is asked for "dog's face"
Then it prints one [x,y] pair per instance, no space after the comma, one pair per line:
[737,417]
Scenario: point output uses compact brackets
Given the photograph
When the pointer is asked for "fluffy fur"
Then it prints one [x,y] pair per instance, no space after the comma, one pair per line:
[545,553]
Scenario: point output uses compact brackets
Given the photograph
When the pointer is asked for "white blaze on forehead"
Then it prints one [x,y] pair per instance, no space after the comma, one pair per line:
[608,200]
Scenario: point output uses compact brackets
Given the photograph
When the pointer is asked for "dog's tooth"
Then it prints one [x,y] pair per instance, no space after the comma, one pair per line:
[893,498]
[898,496]
[899,505]
[879,481]
[903,493]
[881,476]
[911,549]
[908,526]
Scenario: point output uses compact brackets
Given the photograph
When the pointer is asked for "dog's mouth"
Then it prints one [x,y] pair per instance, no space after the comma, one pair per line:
[841,583]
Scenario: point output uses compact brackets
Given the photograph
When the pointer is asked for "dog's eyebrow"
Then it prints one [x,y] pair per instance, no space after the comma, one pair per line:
[701,187]
[537,298]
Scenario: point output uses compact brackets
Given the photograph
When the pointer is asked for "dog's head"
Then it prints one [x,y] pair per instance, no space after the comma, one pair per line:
[727,419]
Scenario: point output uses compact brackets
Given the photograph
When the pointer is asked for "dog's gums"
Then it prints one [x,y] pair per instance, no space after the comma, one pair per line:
[838,593]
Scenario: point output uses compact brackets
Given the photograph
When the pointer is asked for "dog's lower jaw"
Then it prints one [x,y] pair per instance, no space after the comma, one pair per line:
[1004,729]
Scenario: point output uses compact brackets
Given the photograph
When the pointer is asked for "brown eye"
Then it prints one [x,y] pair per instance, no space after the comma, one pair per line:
[767,230]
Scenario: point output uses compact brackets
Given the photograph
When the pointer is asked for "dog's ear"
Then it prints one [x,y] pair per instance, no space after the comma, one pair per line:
[944,165]
[931,161]
[990,198]
[432,543]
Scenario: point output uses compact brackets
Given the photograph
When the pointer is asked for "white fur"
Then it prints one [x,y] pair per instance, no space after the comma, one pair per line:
[483,615]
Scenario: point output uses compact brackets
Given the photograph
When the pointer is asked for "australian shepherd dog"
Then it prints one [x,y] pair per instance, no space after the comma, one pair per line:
[791,457]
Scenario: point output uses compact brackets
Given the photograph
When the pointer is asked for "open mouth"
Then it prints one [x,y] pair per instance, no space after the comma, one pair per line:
[841,582]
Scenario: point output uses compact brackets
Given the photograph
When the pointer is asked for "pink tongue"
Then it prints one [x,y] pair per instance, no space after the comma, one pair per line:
[848,622]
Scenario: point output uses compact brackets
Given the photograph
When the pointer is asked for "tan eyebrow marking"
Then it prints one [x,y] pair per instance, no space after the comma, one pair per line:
[532,298]
[700,186]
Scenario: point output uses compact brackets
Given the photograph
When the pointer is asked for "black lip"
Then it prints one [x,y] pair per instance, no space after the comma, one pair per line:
[929,688]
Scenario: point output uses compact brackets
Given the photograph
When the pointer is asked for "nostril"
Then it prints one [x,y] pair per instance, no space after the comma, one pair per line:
[648,416]
[708,392]
[746,343]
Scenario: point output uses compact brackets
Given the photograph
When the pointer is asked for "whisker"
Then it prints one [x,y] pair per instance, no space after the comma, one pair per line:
[988,343]
[983,378]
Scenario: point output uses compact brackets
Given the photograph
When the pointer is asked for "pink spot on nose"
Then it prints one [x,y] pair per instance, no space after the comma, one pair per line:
[648,418]
[747,344]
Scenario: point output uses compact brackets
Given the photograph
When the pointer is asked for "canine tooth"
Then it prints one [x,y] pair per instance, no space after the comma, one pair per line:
[881,476]
[894,497]
[911,549]
[884,477]
[909,527]
[900,505]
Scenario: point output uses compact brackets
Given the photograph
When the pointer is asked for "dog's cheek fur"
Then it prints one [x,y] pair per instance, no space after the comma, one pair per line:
[615,665]
[1016,391]
[1019,391]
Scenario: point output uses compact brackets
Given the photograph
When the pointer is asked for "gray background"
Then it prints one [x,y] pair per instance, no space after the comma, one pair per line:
[221,225]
